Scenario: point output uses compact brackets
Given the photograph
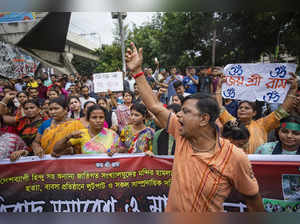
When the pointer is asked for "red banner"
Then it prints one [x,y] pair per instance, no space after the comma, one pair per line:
[123,183]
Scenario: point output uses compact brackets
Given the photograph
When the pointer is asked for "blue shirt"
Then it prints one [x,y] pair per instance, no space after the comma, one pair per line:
[46,124]
[19,87]
[189,85]
[171,89]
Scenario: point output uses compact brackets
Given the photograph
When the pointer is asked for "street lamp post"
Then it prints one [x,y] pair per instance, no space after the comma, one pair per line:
[120,16]
[215,20]
[277,45]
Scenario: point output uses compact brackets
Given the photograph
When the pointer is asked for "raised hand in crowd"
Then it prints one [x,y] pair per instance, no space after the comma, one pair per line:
[221,81]
[112,97]
[291,100]
[161,92]
[9,96]
[3,103]
[134,60]
[293,81]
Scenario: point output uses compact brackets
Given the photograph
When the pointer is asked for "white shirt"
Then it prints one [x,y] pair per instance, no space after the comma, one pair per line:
[89,84]
[114,119]
[131,84]
[83,100]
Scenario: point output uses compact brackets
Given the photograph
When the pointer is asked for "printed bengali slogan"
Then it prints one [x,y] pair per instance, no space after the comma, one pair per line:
[263,82]
[120,184]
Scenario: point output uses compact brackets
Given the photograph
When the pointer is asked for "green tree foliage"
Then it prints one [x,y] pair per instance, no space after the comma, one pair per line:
[291,35]
[186,38]
[244,36]
[110,58]
[147,37]
[83,65]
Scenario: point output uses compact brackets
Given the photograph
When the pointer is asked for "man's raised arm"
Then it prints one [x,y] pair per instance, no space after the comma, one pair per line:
[134,60]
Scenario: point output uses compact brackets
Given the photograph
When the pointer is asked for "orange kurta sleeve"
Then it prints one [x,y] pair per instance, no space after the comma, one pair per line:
[243,177]
[225,116]
[270,122]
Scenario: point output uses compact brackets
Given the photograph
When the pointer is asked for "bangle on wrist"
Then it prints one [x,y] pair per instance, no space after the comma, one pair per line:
[291,95]
[135,76]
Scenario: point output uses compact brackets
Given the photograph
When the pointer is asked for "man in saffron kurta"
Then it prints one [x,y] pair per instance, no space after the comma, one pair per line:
[202,181]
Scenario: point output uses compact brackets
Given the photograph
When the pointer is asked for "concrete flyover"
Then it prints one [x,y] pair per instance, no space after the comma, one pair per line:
[47,39]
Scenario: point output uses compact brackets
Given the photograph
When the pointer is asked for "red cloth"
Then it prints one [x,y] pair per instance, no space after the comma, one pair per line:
[42,91]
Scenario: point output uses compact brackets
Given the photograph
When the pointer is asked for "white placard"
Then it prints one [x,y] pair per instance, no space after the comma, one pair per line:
[106,81]
[262,82]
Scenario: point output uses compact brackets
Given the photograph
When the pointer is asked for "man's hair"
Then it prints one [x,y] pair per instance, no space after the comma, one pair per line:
[177,84]
[35,88]
[85,86]
[206,104]
[54,90]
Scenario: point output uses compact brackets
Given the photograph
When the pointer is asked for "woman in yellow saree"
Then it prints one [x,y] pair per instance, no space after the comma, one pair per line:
[53,130]
[96,139]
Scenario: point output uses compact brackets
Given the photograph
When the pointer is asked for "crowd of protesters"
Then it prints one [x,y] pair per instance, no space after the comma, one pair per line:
[61,114]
